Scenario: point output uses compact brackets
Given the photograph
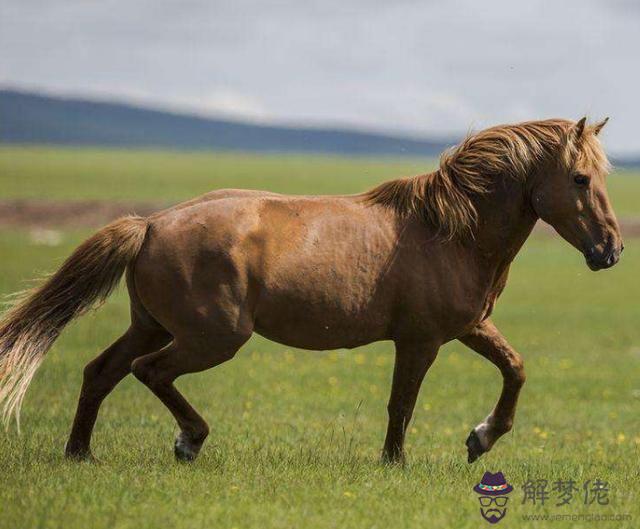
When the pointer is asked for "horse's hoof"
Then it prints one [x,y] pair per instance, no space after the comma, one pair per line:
[185,449]
[474,447]
[393,461]
[80,456]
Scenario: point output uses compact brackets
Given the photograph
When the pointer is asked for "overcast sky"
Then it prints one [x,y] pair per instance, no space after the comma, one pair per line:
[423,66]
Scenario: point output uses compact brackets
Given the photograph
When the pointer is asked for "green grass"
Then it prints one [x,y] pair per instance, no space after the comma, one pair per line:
[37,172]
[296,435]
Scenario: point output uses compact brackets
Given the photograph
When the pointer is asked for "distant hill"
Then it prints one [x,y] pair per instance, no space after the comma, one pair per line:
[32,118]
[35,118]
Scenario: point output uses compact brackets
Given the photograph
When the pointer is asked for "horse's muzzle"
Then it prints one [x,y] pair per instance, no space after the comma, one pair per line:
[599,260]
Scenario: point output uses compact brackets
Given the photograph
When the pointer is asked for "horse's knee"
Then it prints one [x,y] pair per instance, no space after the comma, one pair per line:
[519,376]
[515,373]
[150,371]
[142,370]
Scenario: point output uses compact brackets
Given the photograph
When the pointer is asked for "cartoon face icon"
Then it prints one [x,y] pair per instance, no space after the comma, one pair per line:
[493,509]
[492,494]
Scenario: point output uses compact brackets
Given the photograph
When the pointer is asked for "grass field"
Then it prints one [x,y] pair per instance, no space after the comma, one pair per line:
[296,435]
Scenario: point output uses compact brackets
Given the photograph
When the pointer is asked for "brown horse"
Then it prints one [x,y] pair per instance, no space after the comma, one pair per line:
[420,261]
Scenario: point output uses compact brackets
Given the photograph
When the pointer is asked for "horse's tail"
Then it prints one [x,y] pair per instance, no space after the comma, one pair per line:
[36,319]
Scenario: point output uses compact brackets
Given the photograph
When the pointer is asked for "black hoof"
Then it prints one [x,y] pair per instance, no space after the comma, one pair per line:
[184,456]
[474,447]
[186,450]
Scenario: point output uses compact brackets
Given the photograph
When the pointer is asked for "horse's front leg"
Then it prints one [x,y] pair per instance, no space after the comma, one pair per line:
[411,365]
[486,340]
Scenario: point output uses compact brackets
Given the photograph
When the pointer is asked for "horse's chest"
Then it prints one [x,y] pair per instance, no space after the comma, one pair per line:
[481,300]
[449,303]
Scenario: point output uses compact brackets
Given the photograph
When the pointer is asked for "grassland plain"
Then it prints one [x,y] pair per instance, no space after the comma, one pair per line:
[296,435]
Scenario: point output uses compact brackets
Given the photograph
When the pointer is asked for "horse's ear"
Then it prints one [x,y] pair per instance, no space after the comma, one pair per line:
[578,129]
[599,126]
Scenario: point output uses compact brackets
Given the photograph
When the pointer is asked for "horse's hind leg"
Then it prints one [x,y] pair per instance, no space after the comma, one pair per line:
[486,340]
[102,374]
[159,370]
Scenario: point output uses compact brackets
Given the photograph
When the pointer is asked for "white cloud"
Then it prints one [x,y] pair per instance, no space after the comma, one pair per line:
[232,104]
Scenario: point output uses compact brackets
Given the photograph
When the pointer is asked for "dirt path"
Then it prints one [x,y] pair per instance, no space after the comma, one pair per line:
[69,213]
[66,214]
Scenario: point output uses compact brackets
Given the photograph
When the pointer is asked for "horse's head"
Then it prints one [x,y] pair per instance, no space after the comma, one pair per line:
[572,197]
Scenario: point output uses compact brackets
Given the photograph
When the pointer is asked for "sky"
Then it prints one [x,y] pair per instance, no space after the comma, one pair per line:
[420,67]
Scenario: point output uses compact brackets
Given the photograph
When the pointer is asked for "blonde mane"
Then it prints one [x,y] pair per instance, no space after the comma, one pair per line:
[444,198]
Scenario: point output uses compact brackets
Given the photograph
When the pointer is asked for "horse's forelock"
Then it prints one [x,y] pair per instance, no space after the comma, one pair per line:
[589,153]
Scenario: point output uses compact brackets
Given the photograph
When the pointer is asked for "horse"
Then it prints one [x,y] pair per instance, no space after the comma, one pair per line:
[419,261]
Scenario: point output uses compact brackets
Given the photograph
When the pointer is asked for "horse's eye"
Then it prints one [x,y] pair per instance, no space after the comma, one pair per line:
[581,180]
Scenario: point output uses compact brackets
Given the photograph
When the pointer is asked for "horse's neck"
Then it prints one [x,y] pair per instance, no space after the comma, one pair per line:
[505,221]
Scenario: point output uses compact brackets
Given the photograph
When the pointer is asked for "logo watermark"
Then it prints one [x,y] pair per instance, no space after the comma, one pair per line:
[493,491]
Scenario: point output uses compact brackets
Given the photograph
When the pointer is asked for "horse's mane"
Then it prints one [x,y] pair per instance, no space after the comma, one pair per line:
[444,197]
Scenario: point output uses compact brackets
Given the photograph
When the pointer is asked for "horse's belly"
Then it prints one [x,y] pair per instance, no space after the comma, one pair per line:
[320,324]
[315,338]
